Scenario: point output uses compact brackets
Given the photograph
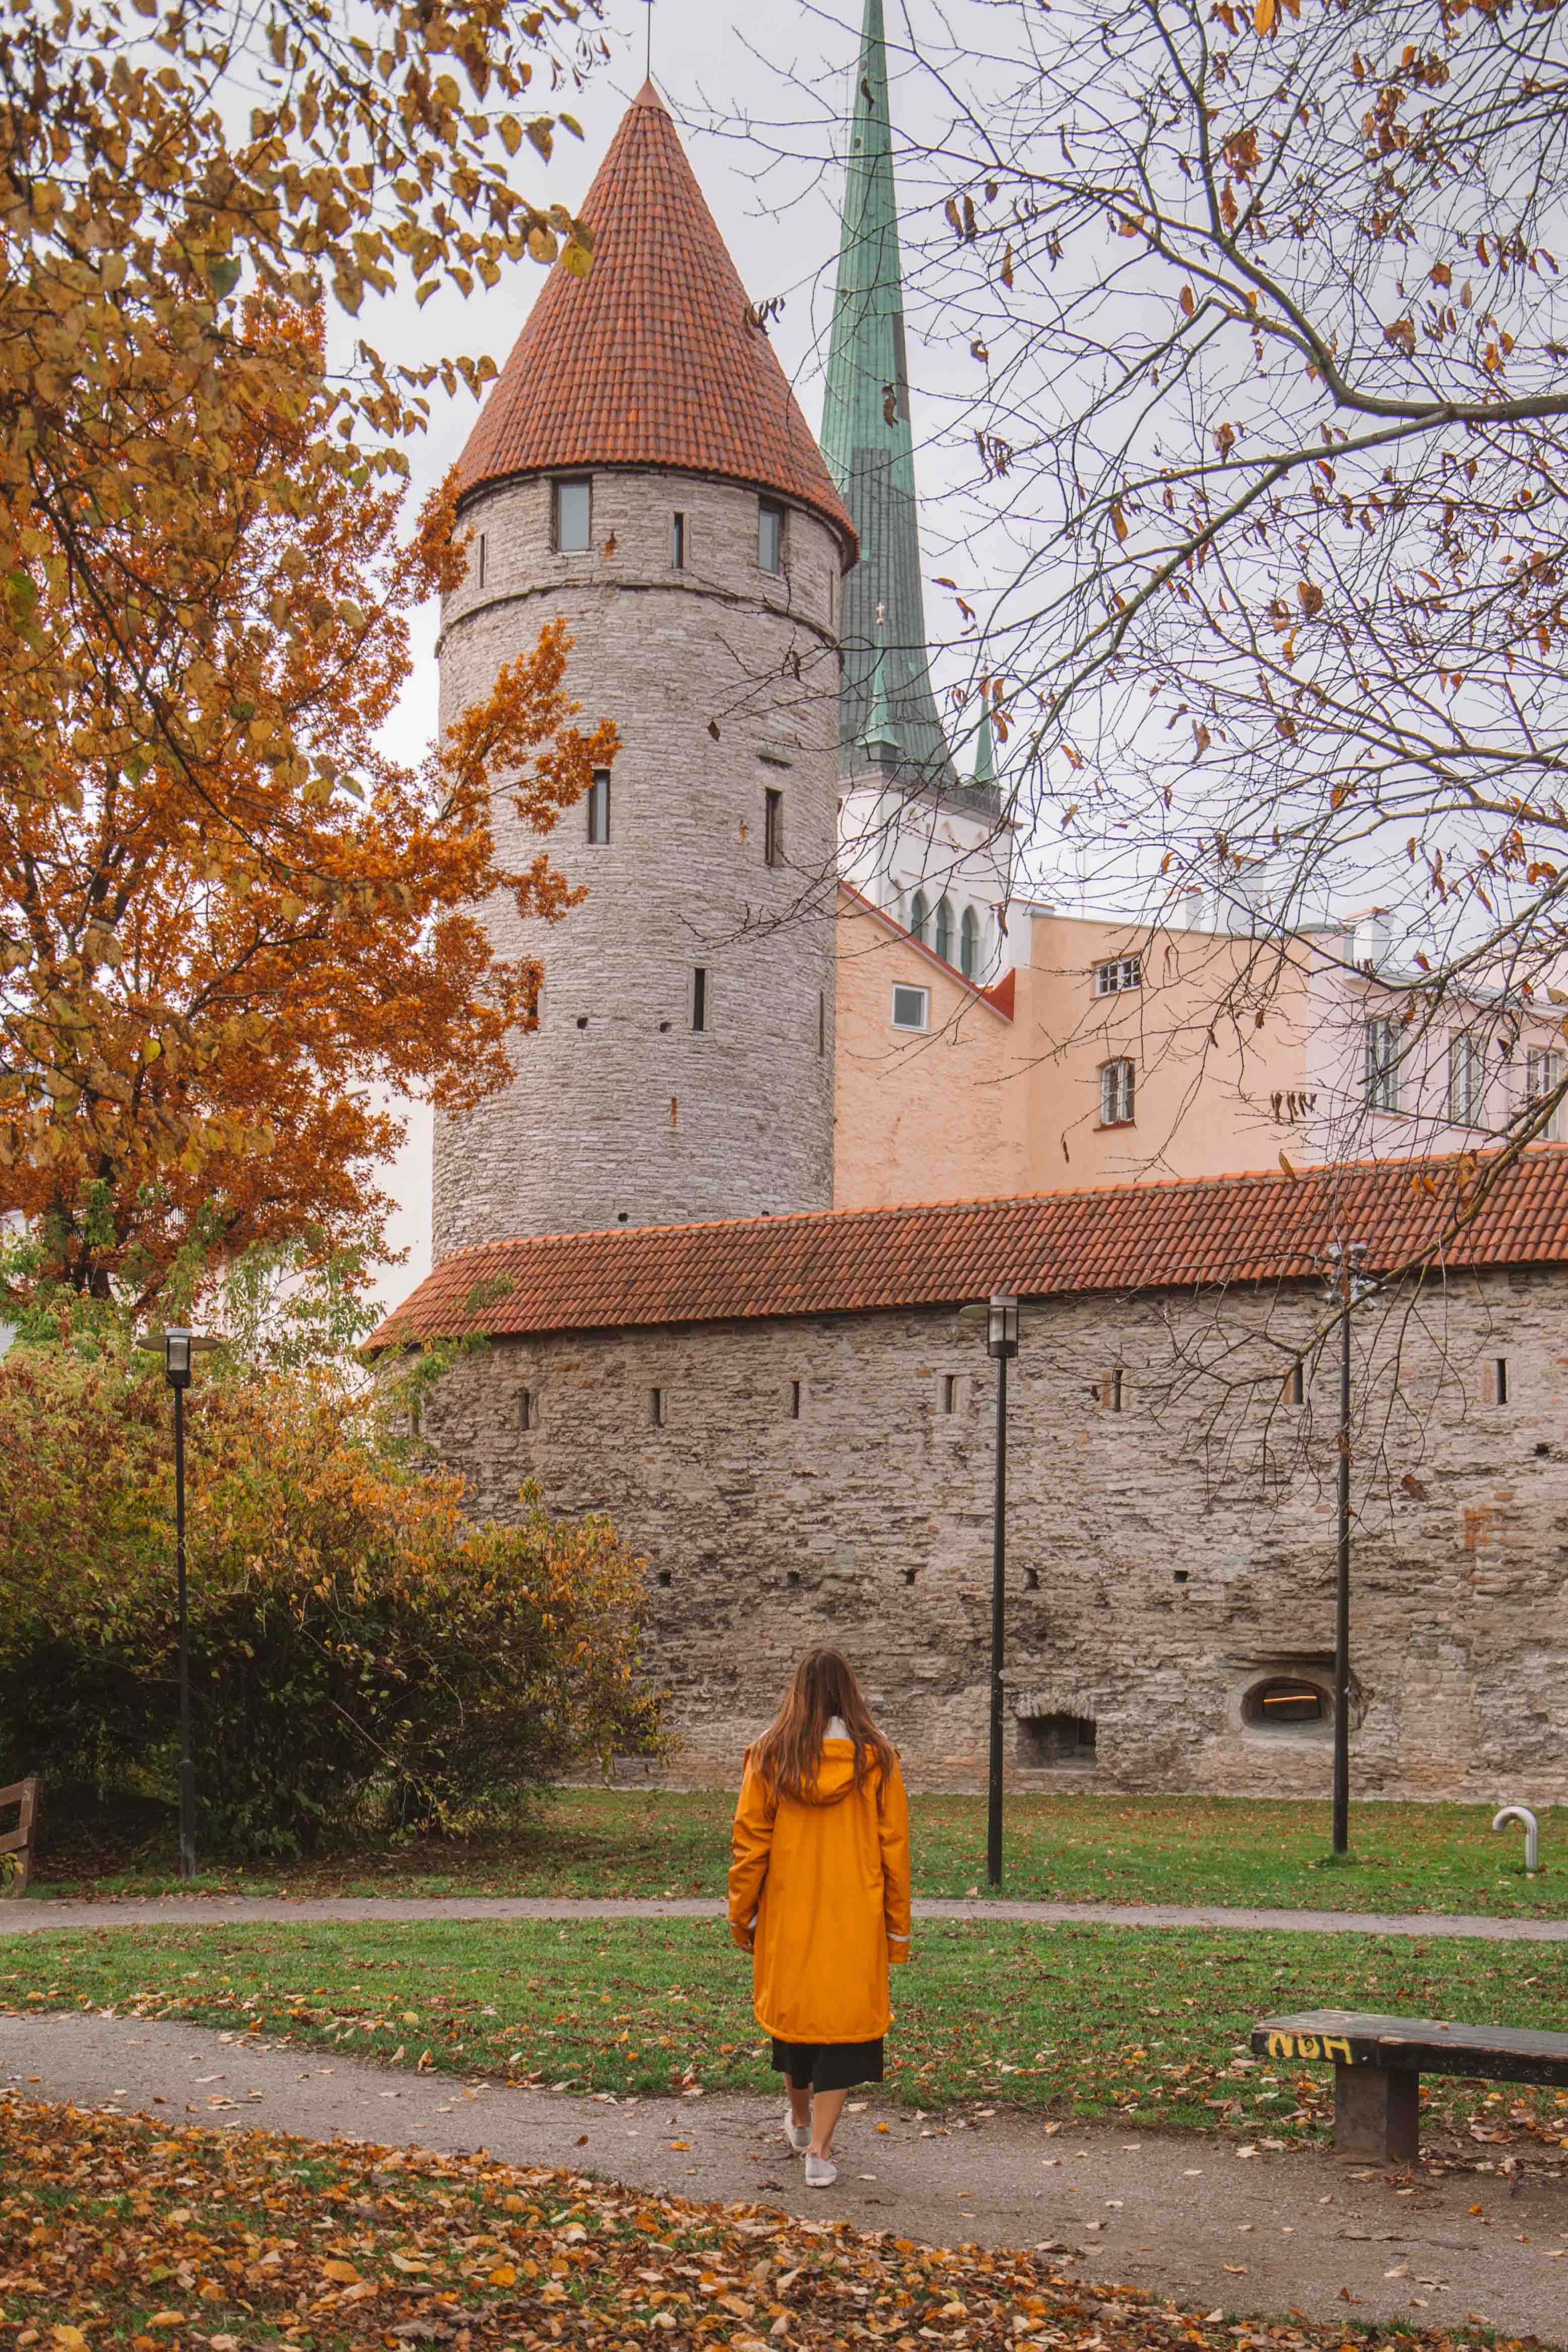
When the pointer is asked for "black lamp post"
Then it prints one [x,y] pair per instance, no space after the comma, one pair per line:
[177,1348]
[1002,1342]
[1345,1282]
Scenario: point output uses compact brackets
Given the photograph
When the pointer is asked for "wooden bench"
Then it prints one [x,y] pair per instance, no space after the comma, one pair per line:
[14,1876]
[1378,2064]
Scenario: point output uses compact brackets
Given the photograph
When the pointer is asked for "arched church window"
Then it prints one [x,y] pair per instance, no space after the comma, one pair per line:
[920,915]
[968,943]
[944,930]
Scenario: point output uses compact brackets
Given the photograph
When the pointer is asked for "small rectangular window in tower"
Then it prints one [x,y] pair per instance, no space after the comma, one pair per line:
[1496,1385]
[1296,1385]
[525,1413]
[699,997]
[795,1400]
[599,806]
[659,1406]
[1114,1391]
[821,1024]
[574,517]
[770,536]
[950,1392]
[772,827]
[677,542]
[479,561]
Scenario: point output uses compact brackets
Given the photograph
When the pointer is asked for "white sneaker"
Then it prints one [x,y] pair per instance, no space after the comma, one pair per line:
[797,2135]
[819,2172]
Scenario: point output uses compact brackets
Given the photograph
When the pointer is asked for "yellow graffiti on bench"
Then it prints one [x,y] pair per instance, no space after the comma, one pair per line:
[1309,2045]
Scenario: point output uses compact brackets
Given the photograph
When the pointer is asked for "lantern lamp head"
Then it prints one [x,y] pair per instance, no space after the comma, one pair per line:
[1002,1325]
[177,1358]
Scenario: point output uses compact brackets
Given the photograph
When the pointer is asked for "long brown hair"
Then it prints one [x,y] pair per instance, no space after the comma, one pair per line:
[788,1756]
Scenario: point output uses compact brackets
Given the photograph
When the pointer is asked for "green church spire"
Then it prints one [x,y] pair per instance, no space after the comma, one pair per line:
[985,751]
[868,444]
[880,738]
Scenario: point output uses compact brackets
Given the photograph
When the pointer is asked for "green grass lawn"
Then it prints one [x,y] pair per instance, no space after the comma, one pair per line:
[1075,1849]
[1146,2025]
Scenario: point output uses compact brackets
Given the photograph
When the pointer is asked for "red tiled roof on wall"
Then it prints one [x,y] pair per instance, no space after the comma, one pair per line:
[654,358]
[1221,1229]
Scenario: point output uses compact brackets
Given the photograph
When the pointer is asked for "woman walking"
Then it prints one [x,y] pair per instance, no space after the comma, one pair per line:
[819,1895]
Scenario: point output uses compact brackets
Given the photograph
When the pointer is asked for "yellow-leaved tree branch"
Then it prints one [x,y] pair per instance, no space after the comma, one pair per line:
[225,915]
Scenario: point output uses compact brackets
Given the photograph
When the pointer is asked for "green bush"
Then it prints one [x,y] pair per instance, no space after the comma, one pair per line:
[354,1639]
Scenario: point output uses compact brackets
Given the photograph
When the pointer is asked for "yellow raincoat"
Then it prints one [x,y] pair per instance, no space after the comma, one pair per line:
[821,1892]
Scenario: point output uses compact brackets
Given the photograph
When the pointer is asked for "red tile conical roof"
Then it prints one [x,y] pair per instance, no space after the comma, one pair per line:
[653,359]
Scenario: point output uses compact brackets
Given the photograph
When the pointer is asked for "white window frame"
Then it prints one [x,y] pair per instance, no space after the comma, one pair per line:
[1544,1071]
[1380,1064]
[908,988]
[1120,973]
[771,509]
[1467,1080]
[1118,1092]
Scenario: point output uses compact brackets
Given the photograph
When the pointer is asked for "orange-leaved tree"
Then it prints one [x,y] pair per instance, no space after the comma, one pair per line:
[221,912]
[226,913]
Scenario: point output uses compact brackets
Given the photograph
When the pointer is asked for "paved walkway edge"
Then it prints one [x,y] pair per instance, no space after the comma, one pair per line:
[29,1917]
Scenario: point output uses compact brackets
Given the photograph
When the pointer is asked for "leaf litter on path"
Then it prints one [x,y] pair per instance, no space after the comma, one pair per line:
[114,2231]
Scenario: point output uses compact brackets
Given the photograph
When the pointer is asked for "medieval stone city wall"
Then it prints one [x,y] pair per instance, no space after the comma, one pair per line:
[621,1113]
[1164,1560]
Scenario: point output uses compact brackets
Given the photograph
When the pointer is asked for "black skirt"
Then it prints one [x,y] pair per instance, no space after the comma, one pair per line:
[828,2065]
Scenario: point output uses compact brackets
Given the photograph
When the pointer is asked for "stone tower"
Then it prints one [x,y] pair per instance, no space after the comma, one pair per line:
[641,467]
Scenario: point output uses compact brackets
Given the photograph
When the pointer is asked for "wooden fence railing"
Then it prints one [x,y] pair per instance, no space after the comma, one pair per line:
[17,1845]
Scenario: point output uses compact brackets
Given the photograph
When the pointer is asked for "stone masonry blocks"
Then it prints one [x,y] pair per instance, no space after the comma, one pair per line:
[1156,1574]
[620,1113]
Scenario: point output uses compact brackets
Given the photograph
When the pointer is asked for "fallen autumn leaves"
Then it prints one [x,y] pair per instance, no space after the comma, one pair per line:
[116,2232]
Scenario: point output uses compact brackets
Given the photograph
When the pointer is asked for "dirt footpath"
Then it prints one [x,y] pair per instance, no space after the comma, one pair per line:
[1180,2214]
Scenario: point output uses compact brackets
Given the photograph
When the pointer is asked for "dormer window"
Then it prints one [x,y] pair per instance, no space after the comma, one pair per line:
[573,518]
[770,536]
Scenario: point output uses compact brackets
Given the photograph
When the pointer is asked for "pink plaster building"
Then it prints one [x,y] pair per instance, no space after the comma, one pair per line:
[1111,1053]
